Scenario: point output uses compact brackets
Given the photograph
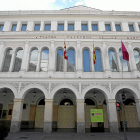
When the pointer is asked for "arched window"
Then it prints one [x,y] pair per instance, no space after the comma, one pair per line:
[137,59]
[41,102]
[66,102]
[112,60]
[44,60]
[59,60]
[71,60]
[124,62]
[33,60]
[7,61]
[98,64]
[18,60]
[129,101]
[86,60]
[89,102]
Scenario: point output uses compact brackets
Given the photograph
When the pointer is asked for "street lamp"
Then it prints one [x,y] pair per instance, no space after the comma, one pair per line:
[34,93]
[94,93]
[64,92]
[4,92]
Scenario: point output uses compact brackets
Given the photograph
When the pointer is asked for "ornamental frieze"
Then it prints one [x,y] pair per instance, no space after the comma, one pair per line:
[15,85]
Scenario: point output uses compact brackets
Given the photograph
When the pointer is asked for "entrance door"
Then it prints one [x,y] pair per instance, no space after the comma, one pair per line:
[39,118]
[66,117]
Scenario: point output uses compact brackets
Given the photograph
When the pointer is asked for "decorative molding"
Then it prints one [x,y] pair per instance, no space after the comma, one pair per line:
[15,85]
[105,85]
[54,85]
[115,85]
[45,85]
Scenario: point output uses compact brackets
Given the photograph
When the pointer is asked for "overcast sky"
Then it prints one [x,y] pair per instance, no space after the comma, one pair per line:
[117,5]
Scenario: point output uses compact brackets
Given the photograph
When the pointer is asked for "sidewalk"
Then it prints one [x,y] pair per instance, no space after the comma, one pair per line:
[71,136]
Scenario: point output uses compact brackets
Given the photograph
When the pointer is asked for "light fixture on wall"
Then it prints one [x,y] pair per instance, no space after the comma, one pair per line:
[64,92]
[94,93]
[4,92]
[34,93]
[123,95]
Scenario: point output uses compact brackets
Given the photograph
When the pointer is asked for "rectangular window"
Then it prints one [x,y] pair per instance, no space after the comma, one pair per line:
[94,27]
[14,26]
[70,27]
[131,28]
[37,27]
[84,27]
[107,27]
[47,27]
[24,27]
[60,27]
[118,27]
[1,27]
[139,27]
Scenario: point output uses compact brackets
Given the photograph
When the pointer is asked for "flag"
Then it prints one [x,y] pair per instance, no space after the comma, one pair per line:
[65,52]
[94,56]
[114,66]
[125,52]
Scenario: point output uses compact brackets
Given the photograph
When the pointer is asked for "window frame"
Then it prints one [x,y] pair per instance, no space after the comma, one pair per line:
[59,25]
[92,26]
[73,26]
[22,27]
[36,25]
[2,27]
[82,26]
[131,24]
[110,27]
[14,24]
[120,27]
[45,26]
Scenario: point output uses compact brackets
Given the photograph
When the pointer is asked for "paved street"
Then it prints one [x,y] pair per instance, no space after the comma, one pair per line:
[71,136]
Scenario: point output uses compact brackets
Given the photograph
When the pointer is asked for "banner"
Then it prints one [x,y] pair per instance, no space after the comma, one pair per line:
[96,115]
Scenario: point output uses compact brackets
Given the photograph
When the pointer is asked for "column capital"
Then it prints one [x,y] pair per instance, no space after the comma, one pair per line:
[2,43]
[18,100]
[48,100]
[78,41]
[26,42]
[80,100]
[111,101]
[130,42]
[52,41]
[104,43]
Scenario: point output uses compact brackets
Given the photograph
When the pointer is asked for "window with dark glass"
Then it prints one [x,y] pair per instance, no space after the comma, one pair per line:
[84,27]
[14,26]
[139,27]
[107,27]
[98,64]
[18,61]
[124,63]
[44,60]
[60,27]
[112,60]
[118,27]
[1,27]
[37,27]
[47,27]
[24,27]
[33,60]
[59,60]
[86,60]
[137,58]
[71,60]
[7,61]
[131,28]
[94,27]
[70,27]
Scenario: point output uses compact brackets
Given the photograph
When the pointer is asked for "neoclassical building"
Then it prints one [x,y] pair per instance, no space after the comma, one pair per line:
[39,89]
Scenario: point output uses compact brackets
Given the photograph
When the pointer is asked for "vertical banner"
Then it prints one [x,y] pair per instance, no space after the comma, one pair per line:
[96,115]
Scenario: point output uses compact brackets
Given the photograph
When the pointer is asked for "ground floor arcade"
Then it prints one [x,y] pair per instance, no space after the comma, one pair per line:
[64,108]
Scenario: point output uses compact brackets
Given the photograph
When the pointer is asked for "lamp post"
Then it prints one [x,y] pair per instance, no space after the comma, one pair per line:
[122,96]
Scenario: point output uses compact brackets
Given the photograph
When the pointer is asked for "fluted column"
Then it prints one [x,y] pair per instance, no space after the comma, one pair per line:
[38,61]
[12,61]
[24,59]
[1,54]
[48,116]
[112,116]
[16,115]
[131,57]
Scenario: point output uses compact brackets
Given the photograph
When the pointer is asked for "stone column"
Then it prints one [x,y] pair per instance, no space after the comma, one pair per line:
[18,26]
[89,26]
[24,59]
[17,115]
[38,61]
[101,26]
[53,25]
[30,26]
[113,26]
[131,57]
[77,25]
[48,116]
[65,25]
[125,26]
[1,54]
[42,26]
[136,27]
[7,26]
[12,61]
[80,116]
[112,116]
[138,109]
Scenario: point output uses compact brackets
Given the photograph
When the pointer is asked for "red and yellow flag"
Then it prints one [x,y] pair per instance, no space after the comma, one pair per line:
[65,52]
[94,56]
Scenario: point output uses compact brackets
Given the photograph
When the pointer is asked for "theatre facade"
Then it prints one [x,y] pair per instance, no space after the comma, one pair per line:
[39,89]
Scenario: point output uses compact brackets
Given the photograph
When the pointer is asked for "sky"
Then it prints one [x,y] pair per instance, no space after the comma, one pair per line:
[108,5]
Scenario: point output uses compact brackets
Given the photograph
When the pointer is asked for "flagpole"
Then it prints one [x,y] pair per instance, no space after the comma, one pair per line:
[93,61]
[122,59]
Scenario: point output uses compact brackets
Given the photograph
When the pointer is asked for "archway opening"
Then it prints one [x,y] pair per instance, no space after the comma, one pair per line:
[129,108]
[64,111]
[95,99]
[33,110]
[6,106]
